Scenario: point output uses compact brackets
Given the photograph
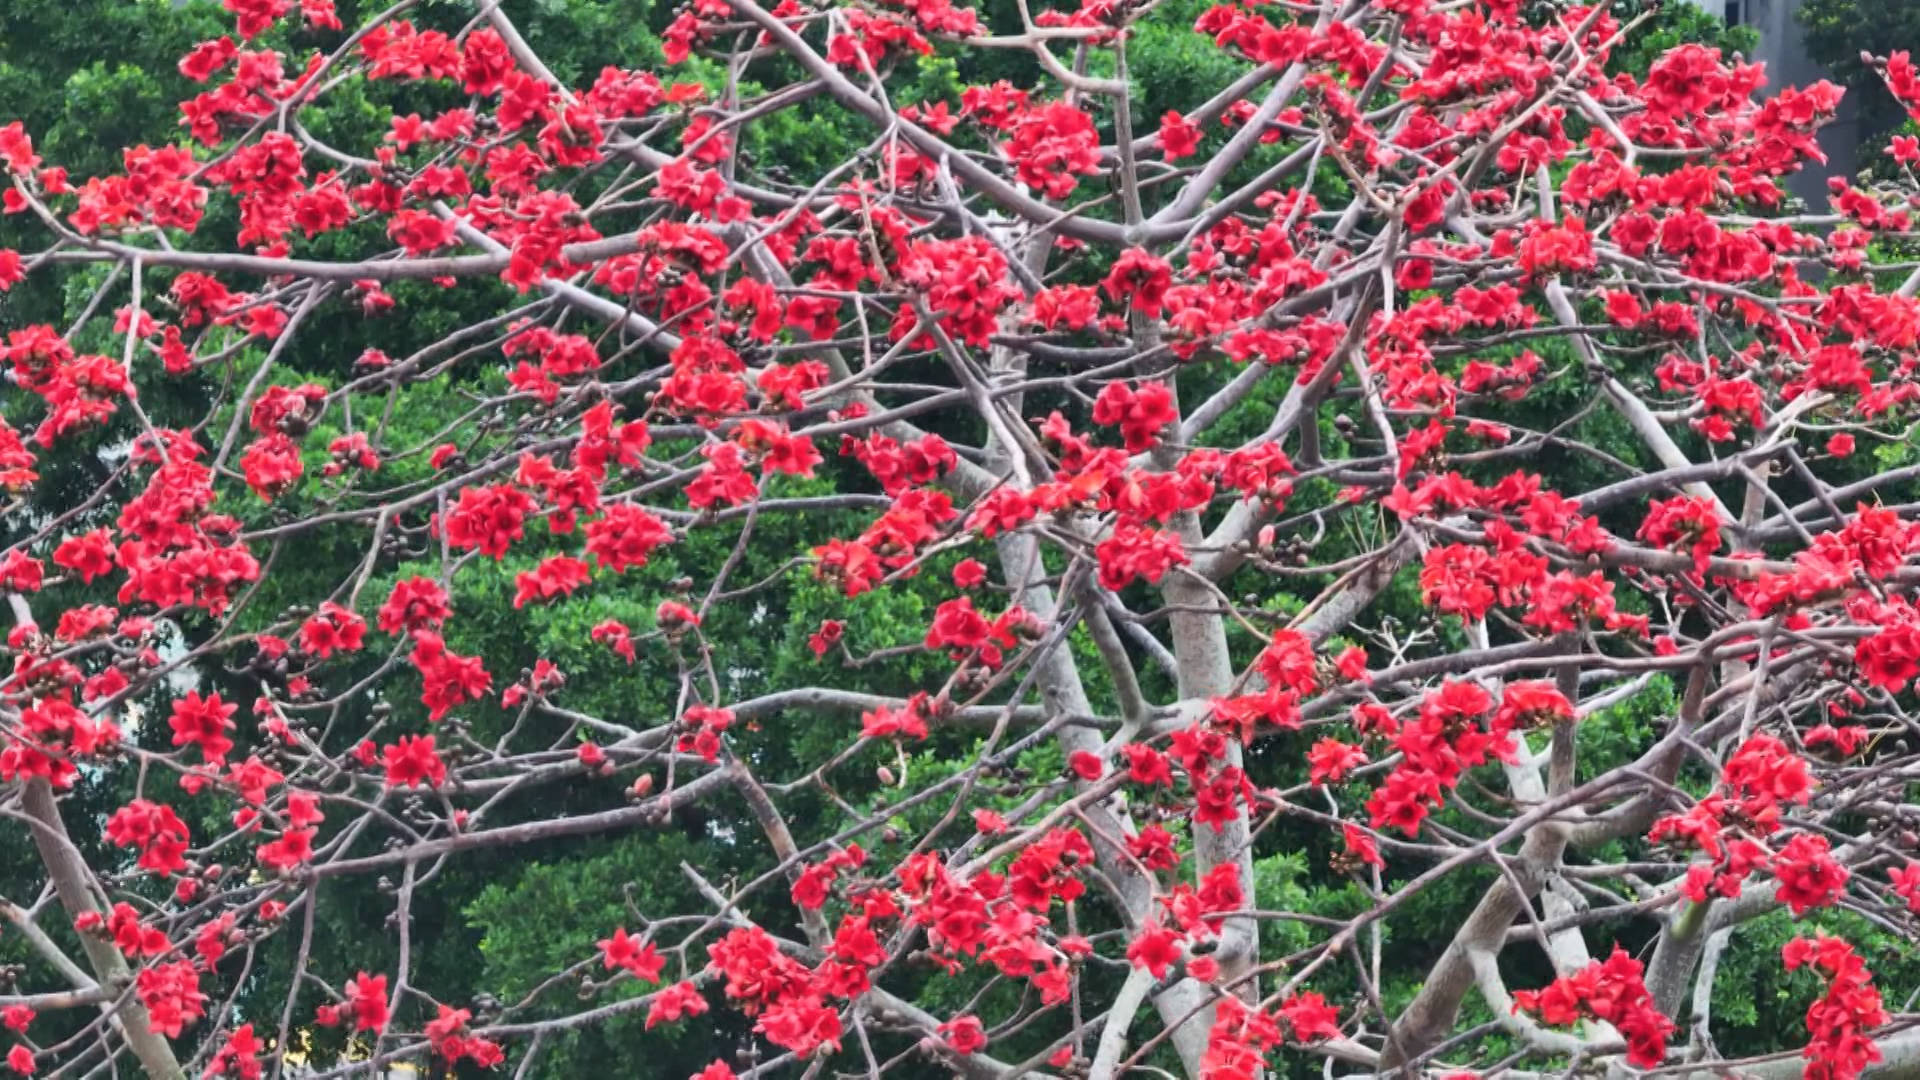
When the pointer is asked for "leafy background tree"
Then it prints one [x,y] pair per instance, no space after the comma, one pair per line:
[1839,31]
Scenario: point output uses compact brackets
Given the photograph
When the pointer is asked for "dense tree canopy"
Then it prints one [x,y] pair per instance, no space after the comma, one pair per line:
[1358,537]
[1842,35]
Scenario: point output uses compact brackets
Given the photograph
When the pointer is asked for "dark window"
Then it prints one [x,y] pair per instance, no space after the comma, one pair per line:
[1736,12]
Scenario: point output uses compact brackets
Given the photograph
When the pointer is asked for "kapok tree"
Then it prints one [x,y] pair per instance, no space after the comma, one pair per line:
[1387,422]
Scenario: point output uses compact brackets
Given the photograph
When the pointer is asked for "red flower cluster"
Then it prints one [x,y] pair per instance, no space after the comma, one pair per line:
[1762,778]
[1839,1046]
[1611,990]
[1446,738]
[171,995]
[448,679]
[155,830]
[447,1033]
[1139,414]
[891,543]
[364,1008]
[964,632]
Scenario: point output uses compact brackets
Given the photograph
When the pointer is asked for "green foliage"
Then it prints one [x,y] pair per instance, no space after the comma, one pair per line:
[1672,25]
[1760,1007]
[1839,31]
[579,901]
